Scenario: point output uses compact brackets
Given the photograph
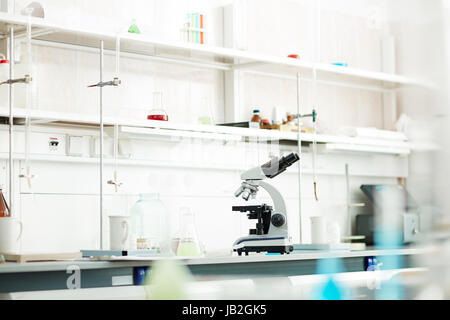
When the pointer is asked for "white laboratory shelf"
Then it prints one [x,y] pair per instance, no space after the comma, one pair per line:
[133,128]
[206,55]
[341,147]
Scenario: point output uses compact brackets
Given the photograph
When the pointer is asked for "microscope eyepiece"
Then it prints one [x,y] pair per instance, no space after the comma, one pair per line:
[289,160]
[275,167]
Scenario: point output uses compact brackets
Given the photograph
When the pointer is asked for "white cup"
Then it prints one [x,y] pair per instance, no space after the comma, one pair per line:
[10,234]
[119,233]
[319,230]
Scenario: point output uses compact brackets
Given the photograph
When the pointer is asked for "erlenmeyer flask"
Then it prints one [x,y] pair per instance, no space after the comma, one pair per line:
[158,113]
[134,28]
[4,209]
[189,245]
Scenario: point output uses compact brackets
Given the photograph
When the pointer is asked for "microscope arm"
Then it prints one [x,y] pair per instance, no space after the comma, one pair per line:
[279,205]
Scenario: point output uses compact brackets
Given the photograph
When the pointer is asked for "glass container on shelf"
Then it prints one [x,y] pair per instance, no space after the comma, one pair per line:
[158,113]
[147,216]
[4,76]
[4,68]
[4,209]
[134,28]
[265,124]
[188,245]
[255,122]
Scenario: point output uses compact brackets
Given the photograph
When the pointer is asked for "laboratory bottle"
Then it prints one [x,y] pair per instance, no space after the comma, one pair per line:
[4,209]
[255,123]
[189,244]
[147,216]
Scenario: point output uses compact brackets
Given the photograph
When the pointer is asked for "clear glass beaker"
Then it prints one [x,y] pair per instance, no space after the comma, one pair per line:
[189,244]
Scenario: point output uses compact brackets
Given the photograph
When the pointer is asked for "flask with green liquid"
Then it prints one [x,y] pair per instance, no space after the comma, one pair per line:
[134,28]
[188,245]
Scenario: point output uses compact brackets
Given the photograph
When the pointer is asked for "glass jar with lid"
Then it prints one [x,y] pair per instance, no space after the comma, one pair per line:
[147,219]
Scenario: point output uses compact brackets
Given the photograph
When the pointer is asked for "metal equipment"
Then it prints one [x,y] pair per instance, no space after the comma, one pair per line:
[409,226]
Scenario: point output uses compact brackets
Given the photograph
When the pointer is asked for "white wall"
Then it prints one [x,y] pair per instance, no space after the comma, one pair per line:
[62,213]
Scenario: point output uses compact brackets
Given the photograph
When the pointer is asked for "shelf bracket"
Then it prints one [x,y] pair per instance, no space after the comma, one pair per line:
[26,79]
[114,83]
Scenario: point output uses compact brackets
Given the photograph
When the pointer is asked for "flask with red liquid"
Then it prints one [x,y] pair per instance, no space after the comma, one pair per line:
[4,209]
[158,113]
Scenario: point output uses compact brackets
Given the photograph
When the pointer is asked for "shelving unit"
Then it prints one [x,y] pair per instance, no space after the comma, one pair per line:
[205,55]
[217,58]
[148,128]
[209,57]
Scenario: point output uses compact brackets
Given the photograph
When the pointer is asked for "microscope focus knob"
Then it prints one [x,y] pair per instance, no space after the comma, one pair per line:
[278,220]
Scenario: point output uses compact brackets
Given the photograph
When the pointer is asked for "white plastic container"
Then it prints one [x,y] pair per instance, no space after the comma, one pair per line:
[319,230]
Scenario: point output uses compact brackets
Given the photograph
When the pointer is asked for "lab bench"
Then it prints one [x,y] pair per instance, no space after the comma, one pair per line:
[40,276]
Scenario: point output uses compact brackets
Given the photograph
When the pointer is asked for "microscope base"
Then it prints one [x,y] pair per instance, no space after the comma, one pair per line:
[258,244]
[280,247]
[274,249]
[281,250]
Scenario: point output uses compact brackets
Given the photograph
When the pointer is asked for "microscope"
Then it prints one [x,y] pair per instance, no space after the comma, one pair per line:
[271,233]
